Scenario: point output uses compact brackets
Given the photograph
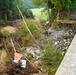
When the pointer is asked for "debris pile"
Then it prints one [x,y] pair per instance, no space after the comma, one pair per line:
[34,55]
[16,69]
[33,51]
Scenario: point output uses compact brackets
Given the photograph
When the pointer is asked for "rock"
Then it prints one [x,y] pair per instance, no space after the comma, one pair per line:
[9,29]
[51,30]
[38,52]
[37,63]
[33,52]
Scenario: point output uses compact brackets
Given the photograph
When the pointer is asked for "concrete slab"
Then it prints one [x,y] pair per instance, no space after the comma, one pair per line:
[68,64]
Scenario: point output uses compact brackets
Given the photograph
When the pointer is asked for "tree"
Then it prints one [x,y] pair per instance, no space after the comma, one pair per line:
[43,2]
[9,11]
[4,9]
[57,6]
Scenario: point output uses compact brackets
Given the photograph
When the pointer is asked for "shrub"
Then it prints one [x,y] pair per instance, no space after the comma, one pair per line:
[24,32]
[28,13]
[3,23]
[51,59]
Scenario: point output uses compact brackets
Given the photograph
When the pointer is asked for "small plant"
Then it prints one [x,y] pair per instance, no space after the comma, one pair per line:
[51,59]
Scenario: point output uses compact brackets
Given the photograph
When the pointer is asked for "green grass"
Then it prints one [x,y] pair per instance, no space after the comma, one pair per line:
[51,59]
[38,13]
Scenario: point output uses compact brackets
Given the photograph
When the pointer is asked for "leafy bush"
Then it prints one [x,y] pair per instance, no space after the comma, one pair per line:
[28,13]
[51,59]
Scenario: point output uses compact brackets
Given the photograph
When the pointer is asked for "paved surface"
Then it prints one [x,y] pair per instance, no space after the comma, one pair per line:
[68,65]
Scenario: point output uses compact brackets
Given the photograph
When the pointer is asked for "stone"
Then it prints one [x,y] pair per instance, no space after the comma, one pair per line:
[9,29]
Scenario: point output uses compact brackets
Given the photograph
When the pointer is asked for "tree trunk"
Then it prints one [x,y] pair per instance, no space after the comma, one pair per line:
[57,16]
[48,11]
[0,15]
[5,16]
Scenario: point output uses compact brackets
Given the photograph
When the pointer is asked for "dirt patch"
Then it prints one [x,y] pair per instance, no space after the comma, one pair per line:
[15,69]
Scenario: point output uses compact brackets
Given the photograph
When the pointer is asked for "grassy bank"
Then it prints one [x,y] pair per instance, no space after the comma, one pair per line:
[38,13]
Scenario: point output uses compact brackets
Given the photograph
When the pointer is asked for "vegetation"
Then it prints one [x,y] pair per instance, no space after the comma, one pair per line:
[58,7]
[35,21]
[24,34]
[51,59]
[9,9]
[4,23]
[29,4]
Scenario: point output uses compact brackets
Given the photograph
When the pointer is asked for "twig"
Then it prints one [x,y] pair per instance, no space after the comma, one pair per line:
[8,53]
[13,46]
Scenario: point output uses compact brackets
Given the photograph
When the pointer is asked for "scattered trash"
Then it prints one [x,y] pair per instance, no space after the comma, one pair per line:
[33,52]
[22,63]
[18,56]
[16,69]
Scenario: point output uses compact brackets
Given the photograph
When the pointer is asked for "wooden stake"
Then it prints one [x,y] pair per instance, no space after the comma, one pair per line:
[13,46]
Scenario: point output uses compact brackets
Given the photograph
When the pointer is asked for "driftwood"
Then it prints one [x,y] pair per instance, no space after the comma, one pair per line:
[13,46]
[66,21]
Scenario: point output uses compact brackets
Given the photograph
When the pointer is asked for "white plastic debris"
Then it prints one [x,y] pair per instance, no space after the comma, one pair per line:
[56,43]
[23,63]
[16,61]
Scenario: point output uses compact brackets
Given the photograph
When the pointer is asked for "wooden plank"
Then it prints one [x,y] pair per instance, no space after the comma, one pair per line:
[66,21]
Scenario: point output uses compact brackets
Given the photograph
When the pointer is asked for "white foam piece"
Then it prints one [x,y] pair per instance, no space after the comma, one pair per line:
[23,63]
